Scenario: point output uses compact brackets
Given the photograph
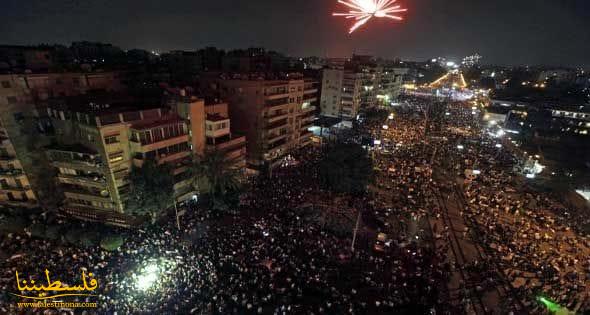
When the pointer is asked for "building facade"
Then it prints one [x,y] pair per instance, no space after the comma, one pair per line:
[275,115]
[341,93]
[219,136]
[25,128]
[95,150]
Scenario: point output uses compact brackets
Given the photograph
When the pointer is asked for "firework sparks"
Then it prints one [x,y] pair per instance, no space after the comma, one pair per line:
[363,10]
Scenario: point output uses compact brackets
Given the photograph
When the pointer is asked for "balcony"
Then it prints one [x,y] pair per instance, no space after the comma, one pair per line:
[72,193]
[230,143]
[6,188]
[11,172]
[75,157]
[310,90]
[305,134]
[96,182]
[25,203]
[276,150]
[308,109]
[272,138]
[276,126]
[166,158]
[306,125]
[278,103]
[277,95]
[310,98]
[271,119]
[147,147]
[96,214]
[235,154]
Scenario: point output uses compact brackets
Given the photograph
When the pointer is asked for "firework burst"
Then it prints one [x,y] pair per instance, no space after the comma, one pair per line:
[364,10]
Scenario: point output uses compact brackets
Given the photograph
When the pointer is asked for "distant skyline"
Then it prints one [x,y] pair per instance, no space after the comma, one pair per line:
[531,32]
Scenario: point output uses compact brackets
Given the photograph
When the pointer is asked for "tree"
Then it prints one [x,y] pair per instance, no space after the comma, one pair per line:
[375,116]
[215,175]
[112,242]
[151,190]
[346,168]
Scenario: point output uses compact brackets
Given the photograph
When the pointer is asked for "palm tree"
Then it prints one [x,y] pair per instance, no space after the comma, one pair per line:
[215,175]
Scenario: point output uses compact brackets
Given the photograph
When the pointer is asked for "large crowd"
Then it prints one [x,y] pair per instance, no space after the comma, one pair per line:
[268,258]
[273,257]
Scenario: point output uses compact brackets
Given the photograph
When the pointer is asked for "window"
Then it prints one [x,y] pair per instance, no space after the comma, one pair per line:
[157,134]
[111,139]
[6,84]
[116,157]
[67,171]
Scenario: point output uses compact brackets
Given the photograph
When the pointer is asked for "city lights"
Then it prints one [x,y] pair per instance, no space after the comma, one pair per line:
[363,10]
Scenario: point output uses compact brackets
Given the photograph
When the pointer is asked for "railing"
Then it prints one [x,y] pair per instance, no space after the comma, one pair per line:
[99,215]
[15,188]
[277,102]
[277,125]
[280,92]
[12,172]
[241,141]
[274,118]
[274,137]
[76,179]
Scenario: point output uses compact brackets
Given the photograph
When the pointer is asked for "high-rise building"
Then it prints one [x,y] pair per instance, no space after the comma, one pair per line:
[274,114]
[341,93]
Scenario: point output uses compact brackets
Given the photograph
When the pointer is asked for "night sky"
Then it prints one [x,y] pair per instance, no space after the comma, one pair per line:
[555,32]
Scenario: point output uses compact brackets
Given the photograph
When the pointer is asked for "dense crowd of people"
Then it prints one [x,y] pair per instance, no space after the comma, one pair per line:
[269,258]
[275,256]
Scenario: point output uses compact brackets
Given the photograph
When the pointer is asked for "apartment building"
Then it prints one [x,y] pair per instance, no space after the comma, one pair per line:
[341,93]
[25,129]
[220,138]
[97,145]
[274,114]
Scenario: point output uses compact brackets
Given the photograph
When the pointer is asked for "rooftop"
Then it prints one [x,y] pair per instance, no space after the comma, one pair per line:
[100,102]
[148,124]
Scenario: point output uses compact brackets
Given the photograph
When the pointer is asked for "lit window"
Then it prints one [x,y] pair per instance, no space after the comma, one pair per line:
[111,139]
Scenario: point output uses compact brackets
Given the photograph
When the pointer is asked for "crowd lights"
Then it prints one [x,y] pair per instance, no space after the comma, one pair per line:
[147,277]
